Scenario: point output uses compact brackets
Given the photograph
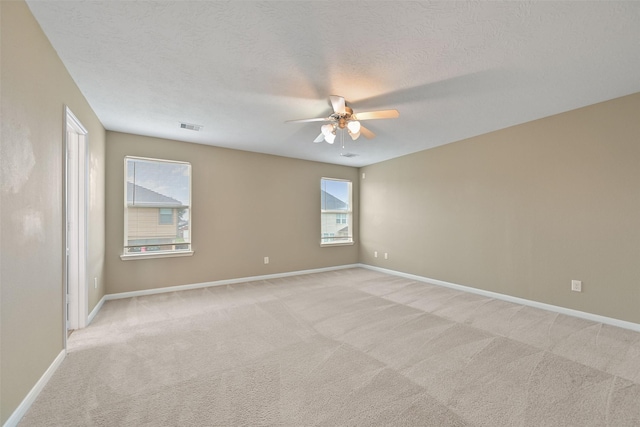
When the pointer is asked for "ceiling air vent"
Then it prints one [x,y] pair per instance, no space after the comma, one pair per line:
[190,126]
[348,155]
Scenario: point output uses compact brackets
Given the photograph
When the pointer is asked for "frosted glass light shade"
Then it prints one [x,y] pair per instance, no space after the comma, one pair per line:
[354,126]
[327,131]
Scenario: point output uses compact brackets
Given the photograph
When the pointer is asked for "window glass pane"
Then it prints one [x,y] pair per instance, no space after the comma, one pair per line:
[157,213]
[335,195]
[335,214]
[157,183]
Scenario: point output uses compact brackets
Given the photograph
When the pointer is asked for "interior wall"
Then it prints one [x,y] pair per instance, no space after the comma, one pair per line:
[245,206]
[521,211]
[35,87]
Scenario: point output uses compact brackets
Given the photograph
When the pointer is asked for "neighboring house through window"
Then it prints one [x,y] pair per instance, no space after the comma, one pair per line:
[157,207]
[336,219]
[165,216]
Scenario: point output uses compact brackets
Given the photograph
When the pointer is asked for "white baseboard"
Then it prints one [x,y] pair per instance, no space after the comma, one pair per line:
[26,403]
[96,309]
[222,282]
[562,310]
[554,308]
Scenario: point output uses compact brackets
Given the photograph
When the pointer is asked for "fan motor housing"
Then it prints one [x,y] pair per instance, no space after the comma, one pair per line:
[343,118]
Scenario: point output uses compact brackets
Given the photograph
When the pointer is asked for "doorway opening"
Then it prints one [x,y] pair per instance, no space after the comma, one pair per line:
[76,188]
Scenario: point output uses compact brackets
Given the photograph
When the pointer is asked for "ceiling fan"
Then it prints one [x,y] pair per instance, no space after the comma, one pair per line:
[343,117]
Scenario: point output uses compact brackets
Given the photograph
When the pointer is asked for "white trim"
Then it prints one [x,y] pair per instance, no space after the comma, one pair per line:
[554,308]
[76,123]
[160,254]
[96,309]
[80,305]
[26,403]
[348,213]
[224,282]
[83,296]
[155,159]
[328,245]
[149,255]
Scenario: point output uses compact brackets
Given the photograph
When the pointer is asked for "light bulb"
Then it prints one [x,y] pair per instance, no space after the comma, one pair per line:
[354,126]
[354,136]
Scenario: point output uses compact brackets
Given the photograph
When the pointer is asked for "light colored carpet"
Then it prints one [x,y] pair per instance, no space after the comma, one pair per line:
[343,348]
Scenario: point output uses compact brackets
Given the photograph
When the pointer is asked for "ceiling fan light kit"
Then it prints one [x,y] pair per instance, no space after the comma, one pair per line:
[344,118]
[354,127]
[329,133]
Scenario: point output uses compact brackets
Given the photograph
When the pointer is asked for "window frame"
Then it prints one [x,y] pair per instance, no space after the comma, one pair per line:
[348,213]
[127,256]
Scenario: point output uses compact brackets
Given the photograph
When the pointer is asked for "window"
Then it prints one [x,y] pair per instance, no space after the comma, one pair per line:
[166,216]
[157,213]
[335,212]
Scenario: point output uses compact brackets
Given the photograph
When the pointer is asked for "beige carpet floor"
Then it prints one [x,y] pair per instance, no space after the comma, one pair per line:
[344,348]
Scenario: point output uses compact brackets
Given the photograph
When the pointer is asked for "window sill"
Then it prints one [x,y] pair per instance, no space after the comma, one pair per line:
[326,245]
[149,255]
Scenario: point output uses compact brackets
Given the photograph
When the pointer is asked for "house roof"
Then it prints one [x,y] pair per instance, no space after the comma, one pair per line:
[148,198]
[453,69]
[330,202]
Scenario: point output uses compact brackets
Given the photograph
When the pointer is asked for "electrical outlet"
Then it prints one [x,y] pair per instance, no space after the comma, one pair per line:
[375,254]
[386,255]
[576,285]
[266,260]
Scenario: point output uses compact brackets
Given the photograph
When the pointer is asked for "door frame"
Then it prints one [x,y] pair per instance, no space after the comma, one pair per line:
[77,308]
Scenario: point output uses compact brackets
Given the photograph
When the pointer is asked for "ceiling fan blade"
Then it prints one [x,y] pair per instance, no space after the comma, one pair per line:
[367,133]
[337,102]
[320,138]
[317,119]
[382,114]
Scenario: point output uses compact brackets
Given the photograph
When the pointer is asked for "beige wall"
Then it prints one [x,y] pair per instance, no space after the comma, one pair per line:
[245,206]
[35,86]
[521,211]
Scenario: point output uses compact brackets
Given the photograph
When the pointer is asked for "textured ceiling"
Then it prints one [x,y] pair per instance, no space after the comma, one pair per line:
[242,68]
